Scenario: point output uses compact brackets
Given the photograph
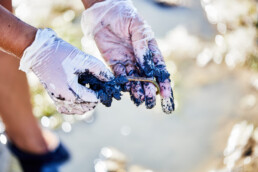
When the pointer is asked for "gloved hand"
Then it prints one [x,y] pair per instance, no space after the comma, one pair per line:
[127,43]
[58,64]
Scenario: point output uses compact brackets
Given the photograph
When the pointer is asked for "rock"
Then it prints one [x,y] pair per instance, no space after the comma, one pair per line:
[112,160]
[173,3]
[241,153]
[167,2]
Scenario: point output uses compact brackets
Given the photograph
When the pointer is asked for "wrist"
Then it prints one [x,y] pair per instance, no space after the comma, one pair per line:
[27,40]
[88,3]
[16,35]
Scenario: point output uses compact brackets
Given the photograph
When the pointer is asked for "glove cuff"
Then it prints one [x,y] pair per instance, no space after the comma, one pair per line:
[29,57]
[91,17]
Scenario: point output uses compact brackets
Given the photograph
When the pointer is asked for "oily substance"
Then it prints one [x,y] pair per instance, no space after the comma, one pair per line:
[105,90]
[155,67]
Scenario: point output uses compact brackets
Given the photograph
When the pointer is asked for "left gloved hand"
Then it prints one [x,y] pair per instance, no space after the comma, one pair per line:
[58,65]
[127,43]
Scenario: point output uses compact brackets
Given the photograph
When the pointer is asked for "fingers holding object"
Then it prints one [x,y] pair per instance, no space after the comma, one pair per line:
[162,76]
[136,89]
[137,93]
[166,92]
[167,97]
[150,95]
[120,70]
[141,34]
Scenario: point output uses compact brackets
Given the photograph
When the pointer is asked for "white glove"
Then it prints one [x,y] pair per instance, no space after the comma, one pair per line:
[57,64]
[127,43]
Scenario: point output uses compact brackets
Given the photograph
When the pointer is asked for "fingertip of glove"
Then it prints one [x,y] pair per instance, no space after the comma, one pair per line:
[150,102]
[168,105]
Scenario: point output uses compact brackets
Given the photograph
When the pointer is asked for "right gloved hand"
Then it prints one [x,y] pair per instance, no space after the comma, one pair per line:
[128,45]
[57,64]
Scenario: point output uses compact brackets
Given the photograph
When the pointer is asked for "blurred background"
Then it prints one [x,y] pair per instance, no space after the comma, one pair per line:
[210,47]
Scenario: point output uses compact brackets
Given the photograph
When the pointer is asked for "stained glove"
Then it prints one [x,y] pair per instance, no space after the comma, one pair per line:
[57,64]
[127,43]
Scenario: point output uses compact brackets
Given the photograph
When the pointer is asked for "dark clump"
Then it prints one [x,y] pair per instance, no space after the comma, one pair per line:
[59,97]
[148,65]
[137,93]
[161,74]
[105,90]
[136,101]
[150,70]
[150,102]
[248,152]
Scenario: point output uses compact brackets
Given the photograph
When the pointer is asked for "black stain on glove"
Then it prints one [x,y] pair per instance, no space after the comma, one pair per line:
[161,74]
[148,66]
[105,90]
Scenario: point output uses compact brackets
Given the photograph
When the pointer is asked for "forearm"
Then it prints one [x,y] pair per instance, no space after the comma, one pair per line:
[16,35]
[88,3]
